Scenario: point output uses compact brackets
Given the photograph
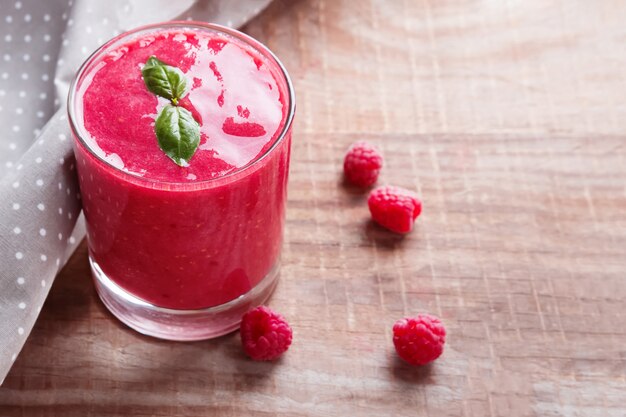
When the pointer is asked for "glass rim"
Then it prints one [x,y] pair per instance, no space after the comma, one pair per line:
[246,39]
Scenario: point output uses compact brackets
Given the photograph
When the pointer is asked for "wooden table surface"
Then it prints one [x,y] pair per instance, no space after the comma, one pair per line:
[508,118]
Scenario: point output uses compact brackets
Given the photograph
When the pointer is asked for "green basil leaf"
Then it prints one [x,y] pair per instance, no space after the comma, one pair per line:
[178,133]
[164,80]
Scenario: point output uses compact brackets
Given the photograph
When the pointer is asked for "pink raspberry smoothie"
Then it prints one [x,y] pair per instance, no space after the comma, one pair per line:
[196,236]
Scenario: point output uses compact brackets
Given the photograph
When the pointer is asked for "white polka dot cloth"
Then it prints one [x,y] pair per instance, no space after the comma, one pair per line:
[42,44]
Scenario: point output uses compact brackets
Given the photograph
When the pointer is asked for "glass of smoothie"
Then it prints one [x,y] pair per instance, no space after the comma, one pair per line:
[182,136]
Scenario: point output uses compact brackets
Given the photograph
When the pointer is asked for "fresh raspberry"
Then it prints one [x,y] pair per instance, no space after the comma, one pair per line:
[419,340]
[394,208]
[265,335]
[362,164]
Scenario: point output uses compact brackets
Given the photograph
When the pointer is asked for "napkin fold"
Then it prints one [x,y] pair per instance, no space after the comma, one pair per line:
[42,44]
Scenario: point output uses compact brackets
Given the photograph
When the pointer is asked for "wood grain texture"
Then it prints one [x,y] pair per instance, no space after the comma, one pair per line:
[508,118]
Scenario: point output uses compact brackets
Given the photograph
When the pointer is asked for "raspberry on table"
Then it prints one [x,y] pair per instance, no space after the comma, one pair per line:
[265,334]
[394,208]
[362,164]
[419,340]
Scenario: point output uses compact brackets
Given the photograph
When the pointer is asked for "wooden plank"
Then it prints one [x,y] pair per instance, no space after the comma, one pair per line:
[521,249]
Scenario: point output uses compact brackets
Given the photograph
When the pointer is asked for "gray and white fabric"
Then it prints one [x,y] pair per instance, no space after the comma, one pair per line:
[42,44]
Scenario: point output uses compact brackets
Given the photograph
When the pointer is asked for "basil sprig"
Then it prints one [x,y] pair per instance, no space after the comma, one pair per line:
[177,132]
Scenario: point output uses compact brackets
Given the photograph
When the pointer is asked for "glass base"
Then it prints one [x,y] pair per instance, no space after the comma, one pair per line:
[181,325]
